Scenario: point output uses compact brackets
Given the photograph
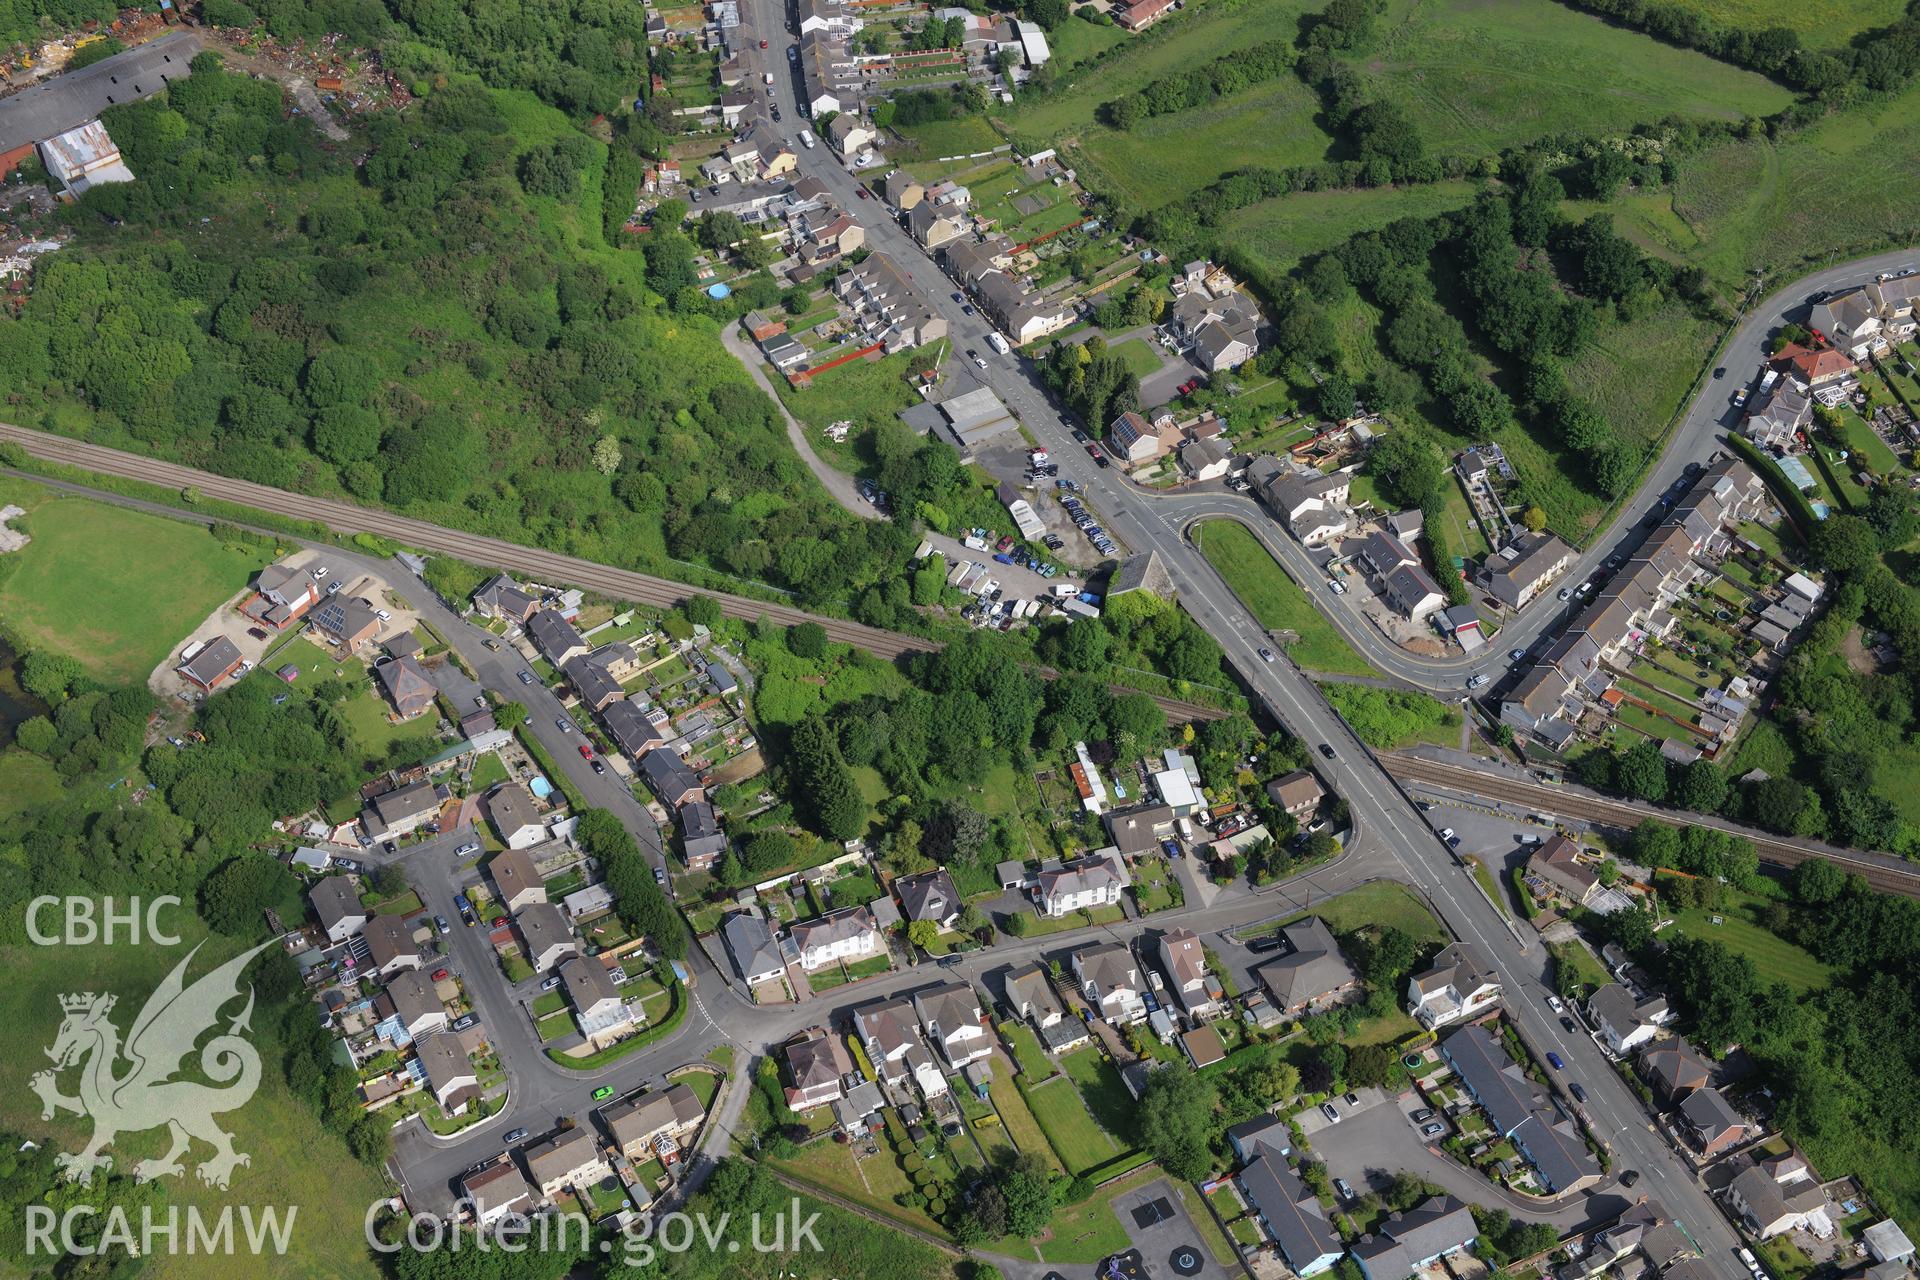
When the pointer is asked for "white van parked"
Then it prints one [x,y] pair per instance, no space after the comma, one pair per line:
[806,139]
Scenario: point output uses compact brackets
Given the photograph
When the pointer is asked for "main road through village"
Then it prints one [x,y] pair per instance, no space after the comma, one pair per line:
[1391,840]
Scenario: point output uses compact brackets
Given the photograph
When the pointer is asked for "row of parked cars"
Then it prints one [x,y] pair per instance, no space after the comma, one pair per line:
[1083,518]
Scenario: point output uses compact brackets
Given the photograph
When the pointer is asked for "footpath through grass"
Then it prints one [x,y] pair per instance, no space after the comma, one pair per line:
[1276,599]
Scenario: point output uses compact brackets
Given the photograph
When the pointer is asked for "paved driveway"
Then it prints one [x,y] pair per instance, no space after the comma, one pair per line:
[1376,1140]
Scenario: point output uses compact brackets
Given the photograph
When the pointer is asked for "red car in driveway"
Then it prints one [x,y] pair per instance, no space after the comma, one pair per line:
[439,975]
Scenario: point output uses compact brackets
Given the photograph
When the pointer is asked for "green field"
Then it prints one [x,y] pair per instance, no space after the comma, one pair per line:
[1483,75]
[1382,904]
[116,589]
[1167,157]
[1820,26]
[1278,233]
[1774,958]
[961,136]
[1140,358]
[1063,1116]
[293,1162]
[1275,599]
[1841,184]
[1019,1120]
[26,781]
[1072,43]
[1177,43]
[1033,1061]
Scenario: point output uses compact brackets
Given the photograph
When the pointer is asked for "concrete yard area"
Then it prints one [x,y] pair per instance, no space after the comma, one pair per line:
[1157,1223]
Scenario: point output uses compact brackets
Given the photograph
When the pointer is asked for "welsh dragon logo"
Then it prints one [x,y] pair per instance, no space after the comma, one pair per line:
[145,1095]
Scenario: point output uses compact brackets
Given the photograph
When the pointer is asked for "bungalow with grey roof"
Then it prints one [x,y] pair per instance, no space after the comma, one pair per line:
[1290,1214]
[1313,972]
[211,664]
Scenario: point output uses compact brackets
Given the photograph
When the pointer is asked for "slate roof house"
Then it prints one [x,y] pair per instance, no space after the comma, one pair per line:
[950,1013]
[1520,1112]
[555,637]
[1291,1215]
[642,1126]
[749,941]
[1311,973]
[390,946]
[1459,985]
[847,934]
[929,896]
[1409,1242]
[1030,995]
[511,813]
[1626,1021]
[814,1068]
[401,811]
[568,1159]
[502,597]
[1093,881]
[546,935]
[700,836]
[1712,1125]
[1111,982]
[1183,959]
[516,879]
[496,1191]
[670,779]
[889,1032]
[1674,1070]
[336,902]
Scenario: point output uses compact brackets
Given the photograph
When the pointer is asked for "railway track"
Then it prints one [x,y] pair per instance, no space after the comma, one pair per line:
[1883,872]
[546,566]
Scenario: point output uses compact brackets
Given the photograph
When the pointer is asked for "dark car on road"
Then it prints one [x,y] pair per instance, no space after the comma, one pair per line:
[1553,1060]
[1326,749]
[1579,1094]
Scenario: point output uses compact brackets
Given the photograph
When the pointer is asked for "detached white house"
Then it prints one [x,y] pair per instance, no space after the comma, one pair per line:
[1111,982]
[844,935]
[1093,881]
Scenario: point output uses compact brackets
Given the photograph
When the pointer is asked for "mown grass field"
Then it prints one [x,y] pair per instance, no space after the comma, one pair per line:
[1774,958]
[293,1164]
[1275,599]
[116,589]
[1063,1116]
[1482,75]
